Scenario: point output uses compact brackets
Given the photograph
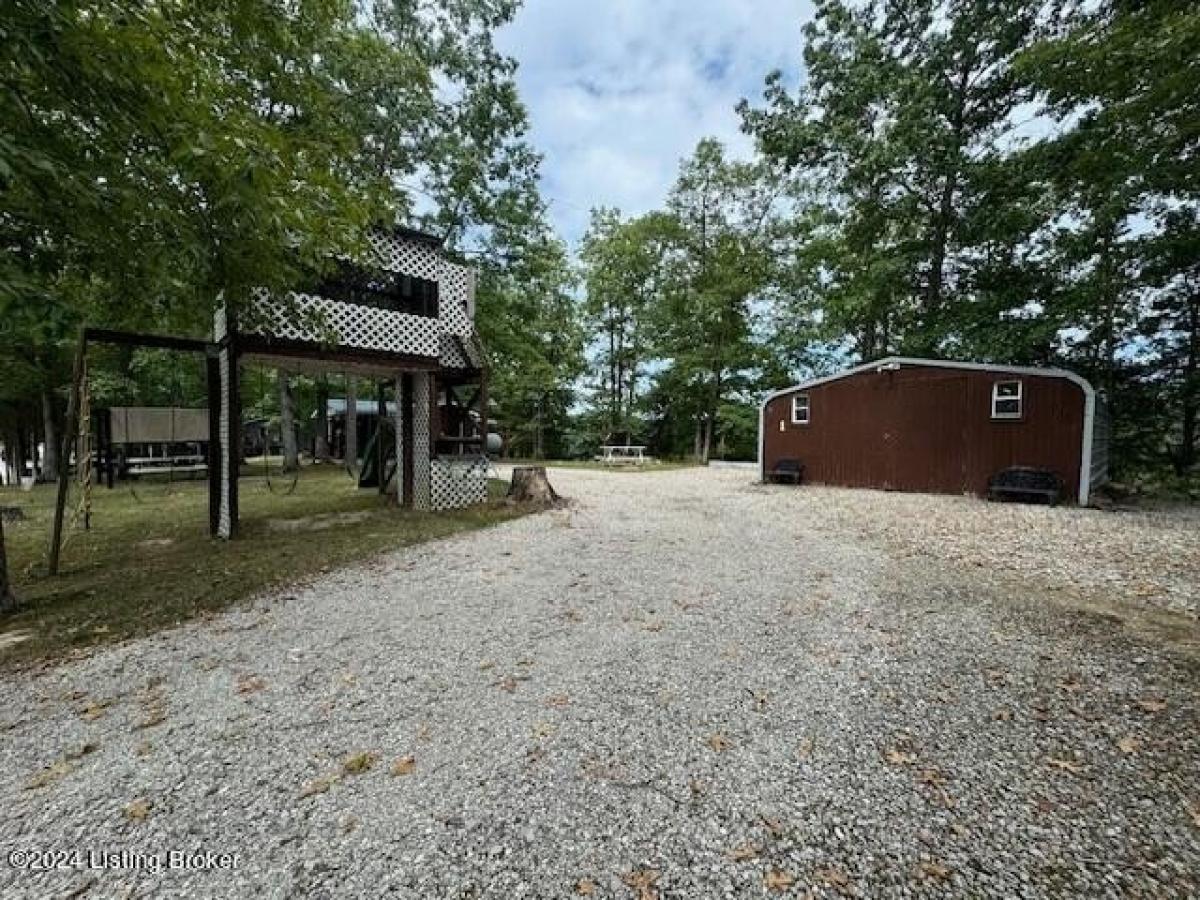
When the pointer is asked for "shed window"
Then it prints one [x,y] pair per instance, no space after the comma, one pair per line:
[1006,400]
[800,409]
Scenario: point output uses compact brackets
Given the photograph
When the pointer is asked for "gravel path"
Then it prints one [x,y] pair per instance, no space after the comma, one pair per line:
[685,685]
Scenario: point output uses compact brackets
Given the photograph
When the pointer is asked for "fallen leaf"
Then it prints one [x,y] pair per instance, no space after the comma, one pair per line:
[774,826]
[1194,809]
[543,730]
[804,751]
[250,684]
[94,710]
[719,743]
[49,775]
[935,871]
[932,776]
[405,765]
[836,879]
[1129,744]
[1065,765]
[1071,685]
[318,786]
[899,757]
[585,887]
[558,700]
[1002,715]
[744,852]
[507,683]
[138,809]
[778,880]
[642,881]
[1152,704]
[359,763]
[487,664]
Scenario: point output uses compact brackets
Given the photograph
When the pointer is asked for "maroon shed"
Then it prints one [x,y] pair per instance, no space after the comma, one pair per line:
[932,425]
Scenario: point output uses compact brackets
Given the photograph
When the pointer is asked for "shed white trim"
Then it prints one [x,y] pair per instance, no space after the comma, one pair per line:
[891,363]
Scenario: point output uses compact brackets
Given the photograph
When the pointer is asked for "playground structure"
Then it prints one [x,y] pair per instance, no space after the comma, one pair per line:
[403,315]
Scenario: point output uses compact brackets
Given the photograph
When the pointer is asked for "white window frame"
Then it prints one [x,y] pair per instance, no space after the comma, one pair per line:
[796,398]
[1020,398]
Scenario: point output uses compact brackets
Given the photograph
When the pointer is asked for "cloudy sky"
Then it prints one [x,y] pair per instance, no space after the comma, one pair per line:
[620,90]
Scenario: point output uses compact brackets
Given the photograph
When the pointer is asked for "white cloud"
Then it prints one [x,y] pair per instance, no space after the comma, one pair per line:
[619,91]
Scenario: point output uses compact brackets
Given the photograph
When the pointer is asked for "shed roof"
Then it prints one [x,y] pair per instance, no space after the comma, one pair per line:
[898,361]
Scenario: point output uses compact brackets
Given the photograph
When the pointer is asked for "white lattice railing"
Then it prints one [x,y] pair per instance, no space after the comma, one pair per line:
[315,319]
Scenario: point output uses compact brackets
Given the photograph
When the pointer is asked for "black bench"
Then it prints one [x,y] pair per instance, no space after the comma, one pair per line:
[787,470]
[1026,484]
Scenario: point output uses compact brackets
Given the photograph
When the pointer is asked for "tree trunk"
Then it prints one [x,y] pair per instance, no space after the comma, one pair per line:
[7,599]
[698,437]
[321,423]
[287,422]
[1190,396]
[350,451]
[530,485]
[50,437]
[706,447]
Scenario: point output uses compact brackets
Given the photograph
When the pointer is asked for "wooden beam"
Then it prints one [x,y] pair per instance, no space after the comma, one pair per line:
[404,466]
[134,339]
[213,371]
[64,462]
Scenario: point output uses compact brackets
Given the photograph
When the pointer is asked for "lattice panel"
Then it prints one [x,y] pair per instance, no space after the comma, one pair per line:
[456,289]
[421,448]
[456,483]
[348,324]
[406,256]
[452,356]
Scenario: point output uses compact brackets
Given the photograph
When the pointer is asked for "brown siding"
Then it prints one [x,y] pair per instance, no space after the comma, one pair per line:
[924,428]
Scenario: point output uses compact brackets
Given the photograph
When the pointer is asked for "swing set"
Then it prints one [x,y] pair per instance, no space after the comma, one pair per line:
[405,316]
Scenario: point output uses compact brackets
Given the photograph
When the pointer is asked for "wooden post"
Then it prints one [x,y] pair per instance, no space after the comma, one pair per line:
[350,439]
[381,410]
[212,369]
[483,414]
[404,464]
[69,428]
[7,599]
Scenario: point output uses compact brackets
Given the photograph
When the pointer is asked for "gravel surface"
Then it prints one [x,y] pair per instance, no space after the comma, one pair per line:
[684,685]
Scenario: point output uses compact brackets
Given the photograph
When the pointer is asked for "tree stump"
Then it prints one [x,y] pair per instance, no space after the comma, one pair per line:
[530,485]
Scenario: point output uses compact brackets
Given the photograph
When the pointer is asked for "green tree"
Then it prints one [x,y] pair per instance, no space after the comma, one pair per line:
[529,321]
[626,268]
[1121,79]
[722,262]
[900,114]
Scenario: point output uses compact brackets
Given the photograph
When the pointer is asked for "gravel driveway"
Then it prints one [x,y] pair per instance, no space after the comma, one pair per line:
[684,685]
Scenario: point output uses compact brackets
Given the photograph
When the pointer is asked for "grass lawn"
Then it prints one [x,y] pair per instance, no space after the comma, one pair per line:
[148,562]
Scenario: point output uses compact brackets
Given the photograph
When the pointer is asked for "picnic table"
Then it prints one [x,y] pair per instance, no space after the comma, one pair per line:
[623,454]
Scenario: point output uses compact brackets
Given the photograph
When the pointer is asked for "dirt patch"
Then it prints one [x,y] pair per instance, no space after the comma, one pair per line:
[11,638]
[318,522]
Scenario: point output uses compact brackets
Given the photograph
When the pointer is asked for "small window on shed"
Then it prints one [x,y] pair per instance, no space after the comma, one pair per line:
[800,409]
[1006,400]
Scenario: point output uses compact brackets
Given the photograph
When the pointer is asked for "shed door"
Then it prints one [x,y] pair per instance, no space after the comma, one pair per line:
[926,434]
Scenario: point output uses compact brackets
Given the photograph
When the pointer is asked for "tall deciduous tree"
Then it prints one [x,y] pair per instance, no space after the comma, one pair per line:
[626,269]
[1121,77]
[900,113]
[703,324]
